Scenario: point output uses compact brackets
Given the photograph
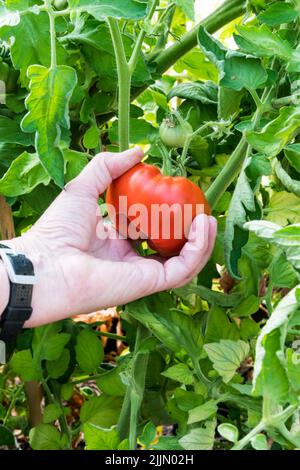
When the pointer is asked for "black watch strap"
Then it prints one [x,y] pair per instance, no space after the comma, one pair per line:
[18,311]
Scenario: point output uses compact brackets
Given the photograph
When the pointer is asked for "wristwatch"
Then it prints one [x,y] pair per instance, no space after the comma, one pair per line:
[22,279]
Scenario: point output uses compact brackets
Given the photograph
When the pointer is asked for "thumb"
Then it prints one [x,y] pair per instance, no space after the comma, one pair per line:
[105,167]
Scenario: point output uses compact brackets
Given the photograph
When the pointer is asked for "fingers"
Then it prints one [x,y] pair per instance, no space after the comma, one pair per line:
[195,254]
[105,167]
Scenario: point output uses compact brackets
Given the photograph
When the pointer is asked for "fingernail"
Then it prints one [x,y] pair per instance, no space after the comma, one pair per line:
[137,149]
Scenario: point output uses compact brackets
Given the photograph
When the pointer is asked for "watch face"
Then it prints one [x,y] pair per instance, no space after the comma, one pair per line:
[21,265]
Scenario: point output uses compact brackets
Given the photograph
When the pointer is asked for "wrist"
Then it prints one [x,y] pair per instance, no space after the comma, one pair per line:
[30,247]
[4,288]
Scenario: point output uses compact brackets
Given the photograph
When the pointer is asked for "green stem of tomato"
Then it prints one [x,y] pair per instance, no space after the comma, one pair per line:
[139,42]
[52,33]
[129,417]
[190,139]
[140,363]
[124,79]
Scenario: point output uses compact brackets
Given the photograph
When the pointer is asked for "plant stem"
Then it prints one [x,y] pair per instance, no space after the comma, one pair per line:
[111,335]
[124,79]
[139,370]
[227,12]
[12,404]
[62,420]
[228,174]
[245,440]
[190,138]
[200,375]
[139,42]
[288,435]
[256,98]
[52,34]
[167,164]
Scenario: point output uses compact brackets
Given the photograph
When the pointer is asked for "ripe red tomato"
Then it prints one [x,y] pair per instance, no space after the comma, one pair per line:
[146,186]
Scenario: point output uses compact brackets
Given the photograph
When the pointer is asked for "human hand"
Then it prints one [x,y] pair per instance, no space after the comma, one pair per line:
[79,273]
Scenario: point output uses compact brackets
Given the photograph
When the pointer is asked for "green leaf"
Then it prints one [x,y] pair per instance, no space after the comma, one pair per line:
[229,432]
[51,90]
[7,437]
[180,373]
[278,13]
[101,411]
[288,239]
[249,329]
[212,48]
[23,365]
[24,174]
[199,438]
[91,138]
[187,6]
[219,326]
[140,131]
[148,435]
[59,367]
[259,442]
[278,133]
[51,413]
[174,329]
[289,183]
[39,28]
[229,102]
[110,382]
[45,437]
[76,161]
[247,307]
[292,153]
[243,73]
[89,351]
[293,368]
[101,9]
[262,42]
[10,132]
[227,356]
[167,443]
[186,400]
[97,438]
[282,273]
[213,297]
[283,208]
[48,342]
[270,378]
[243,207]
[197,66]
[206,93]
[203,412]
[67,391]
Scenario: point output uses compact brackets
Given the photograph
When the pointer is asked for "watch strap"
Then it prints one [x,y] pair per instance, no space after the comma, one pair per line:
[19,309]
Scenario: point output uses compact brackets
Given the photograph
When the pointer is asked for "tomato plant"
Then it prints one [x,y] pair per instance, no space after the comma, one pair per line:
[214,102]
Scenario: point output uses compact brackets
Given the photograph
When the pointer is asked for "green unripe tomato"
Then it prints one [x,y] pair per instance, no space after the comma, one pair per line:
[60,4]
[174,134]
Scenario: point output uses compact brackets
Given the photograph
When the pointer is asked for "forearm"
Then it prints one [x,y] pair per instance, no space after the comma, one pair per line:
[4,288]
